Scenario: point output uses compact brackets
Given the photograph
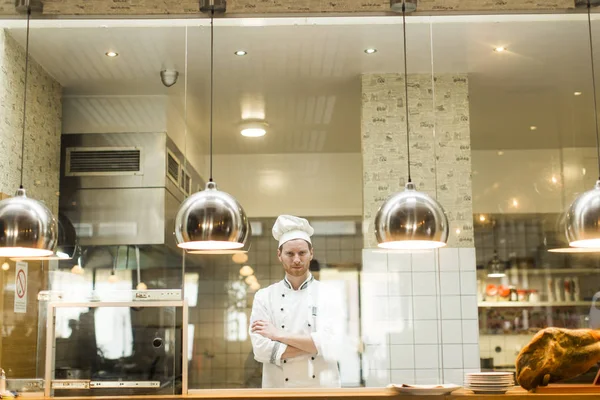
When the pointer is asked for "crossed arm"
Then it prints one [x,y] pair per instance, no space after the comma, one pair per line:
[297,345]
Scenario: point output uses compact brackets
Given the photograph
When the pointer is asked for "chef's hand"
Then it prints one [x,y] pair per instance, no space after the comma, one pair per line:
[266,329]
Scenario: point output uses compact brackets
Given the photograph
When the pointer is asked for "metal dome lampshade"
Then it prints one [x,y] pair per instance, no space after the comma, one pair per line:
[211,220]
[66,242]
[27,226]
[410,219]
[583,216]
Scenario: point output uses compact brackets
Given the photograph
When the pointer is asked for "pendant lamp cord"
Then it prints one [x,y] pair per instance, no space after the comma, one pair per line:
[212,15]
[406,88]
[25,94]
[589,7]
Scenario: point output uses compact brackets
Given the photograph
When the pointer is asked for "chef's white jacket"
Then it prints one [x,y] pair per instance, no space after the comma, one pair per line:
[307,311]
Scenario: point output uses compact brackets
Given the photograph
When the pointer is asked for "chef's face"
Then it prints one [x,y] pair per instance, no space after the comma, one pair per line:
[295,255]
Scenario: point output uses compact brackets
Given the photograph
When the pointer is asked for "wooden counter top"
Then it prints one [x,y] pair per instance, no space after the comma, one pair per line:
[323,394]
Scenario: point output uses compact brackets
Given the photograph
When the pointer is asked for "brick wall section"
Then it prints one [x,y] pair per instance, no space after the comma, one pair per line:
[158,7]
[42,140]
[439,142]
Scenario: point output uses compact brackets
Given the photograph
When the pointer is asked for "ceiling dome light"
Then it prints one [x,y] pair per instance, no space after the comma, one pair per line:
[411,220]
[111,54]
[253,128]
[240,53]
[370,51]
[211,220]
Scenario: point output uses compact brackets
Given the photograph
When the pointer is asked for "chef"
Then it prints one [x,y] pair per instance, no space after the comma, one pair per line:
[295,335]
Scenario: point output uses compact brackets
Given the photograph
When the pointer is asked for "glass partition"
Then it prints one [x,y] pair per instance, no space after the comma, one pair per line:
[501,134]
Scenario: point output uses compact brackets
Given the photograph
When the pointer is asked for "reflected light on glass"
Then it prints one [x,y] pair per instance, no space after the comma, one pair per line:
[77,269]
[5,266]
[411,220]
[533,127]
[246,270]
[554,179]
[111,54]
[482,218]
[577,93]
[251,280]
[500,153]
[500,49]
[239,258]
[515,203]
[254,287]
[141,286]
[457,231]
[583,220]
[370,51]
[240,53]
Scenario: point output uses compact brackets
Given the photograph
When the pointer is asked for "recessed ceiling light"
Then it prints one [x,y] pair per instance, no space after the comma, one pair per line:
[111,54]
[240,53]
[253,128]
[500,49]
[370,51]
[482,218]
[533,127]
[577,93]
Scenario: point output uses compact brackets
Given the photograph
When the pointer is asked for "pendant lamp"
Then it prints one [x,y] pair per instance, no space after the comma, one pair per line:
[27,227]
[410,219]
[583,216]
[496,268]
[211,220]
[561,245]
[67,245]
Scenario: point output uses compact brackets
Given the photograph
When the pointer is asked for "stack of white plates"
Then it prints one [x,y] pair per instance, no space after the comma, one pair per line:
[489,382]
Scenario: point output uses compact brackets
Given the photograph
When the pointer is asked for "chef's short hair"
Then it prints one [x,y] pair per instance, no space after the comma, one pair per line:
[309,245]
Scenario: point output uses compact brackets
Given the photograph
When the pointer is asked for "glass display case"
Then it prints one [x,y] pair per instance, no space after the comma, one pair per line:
[113,343]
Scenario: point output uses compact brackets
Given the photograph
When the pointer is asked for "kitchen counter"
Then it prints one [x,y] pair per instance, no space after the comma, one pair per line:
[359,393]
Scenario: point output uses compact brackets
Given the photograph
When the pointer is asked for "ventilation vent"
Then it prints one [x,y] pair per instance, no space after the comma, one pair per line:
[186,182]
[173,167]
[99,161]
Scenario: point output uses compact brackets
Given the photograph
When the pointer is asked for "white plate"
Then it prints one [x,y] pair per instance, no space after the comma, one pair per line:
[431,390]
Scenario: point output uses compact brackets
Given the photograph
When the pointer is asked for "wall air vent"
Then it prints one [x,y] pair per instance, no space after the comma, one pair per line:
[102,161]
[173,167]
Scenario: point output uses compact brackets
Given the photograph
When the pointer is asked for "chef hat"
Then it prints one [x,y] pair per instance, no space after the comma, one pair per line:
[288,227]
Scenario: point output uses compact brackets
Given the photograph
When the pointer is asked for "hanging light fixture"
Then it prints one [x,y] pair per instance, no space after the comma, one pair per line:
[67,245]
[410,219]
[583,216]
[27,227]
[496,268]
[560,244]
[211,220]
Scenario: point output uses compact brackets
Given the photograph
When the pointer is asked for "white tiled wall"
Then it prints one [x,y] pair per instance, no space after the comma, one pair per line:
[419,316]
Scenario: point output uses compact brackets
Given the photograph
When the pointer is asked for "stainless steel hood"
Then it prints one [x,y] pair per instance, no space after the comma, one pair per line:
[124,189]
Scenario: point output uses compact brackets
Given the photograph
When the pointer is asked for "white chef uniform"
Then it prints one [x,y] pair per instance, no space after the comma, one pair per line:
[299,312]
[306,311]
